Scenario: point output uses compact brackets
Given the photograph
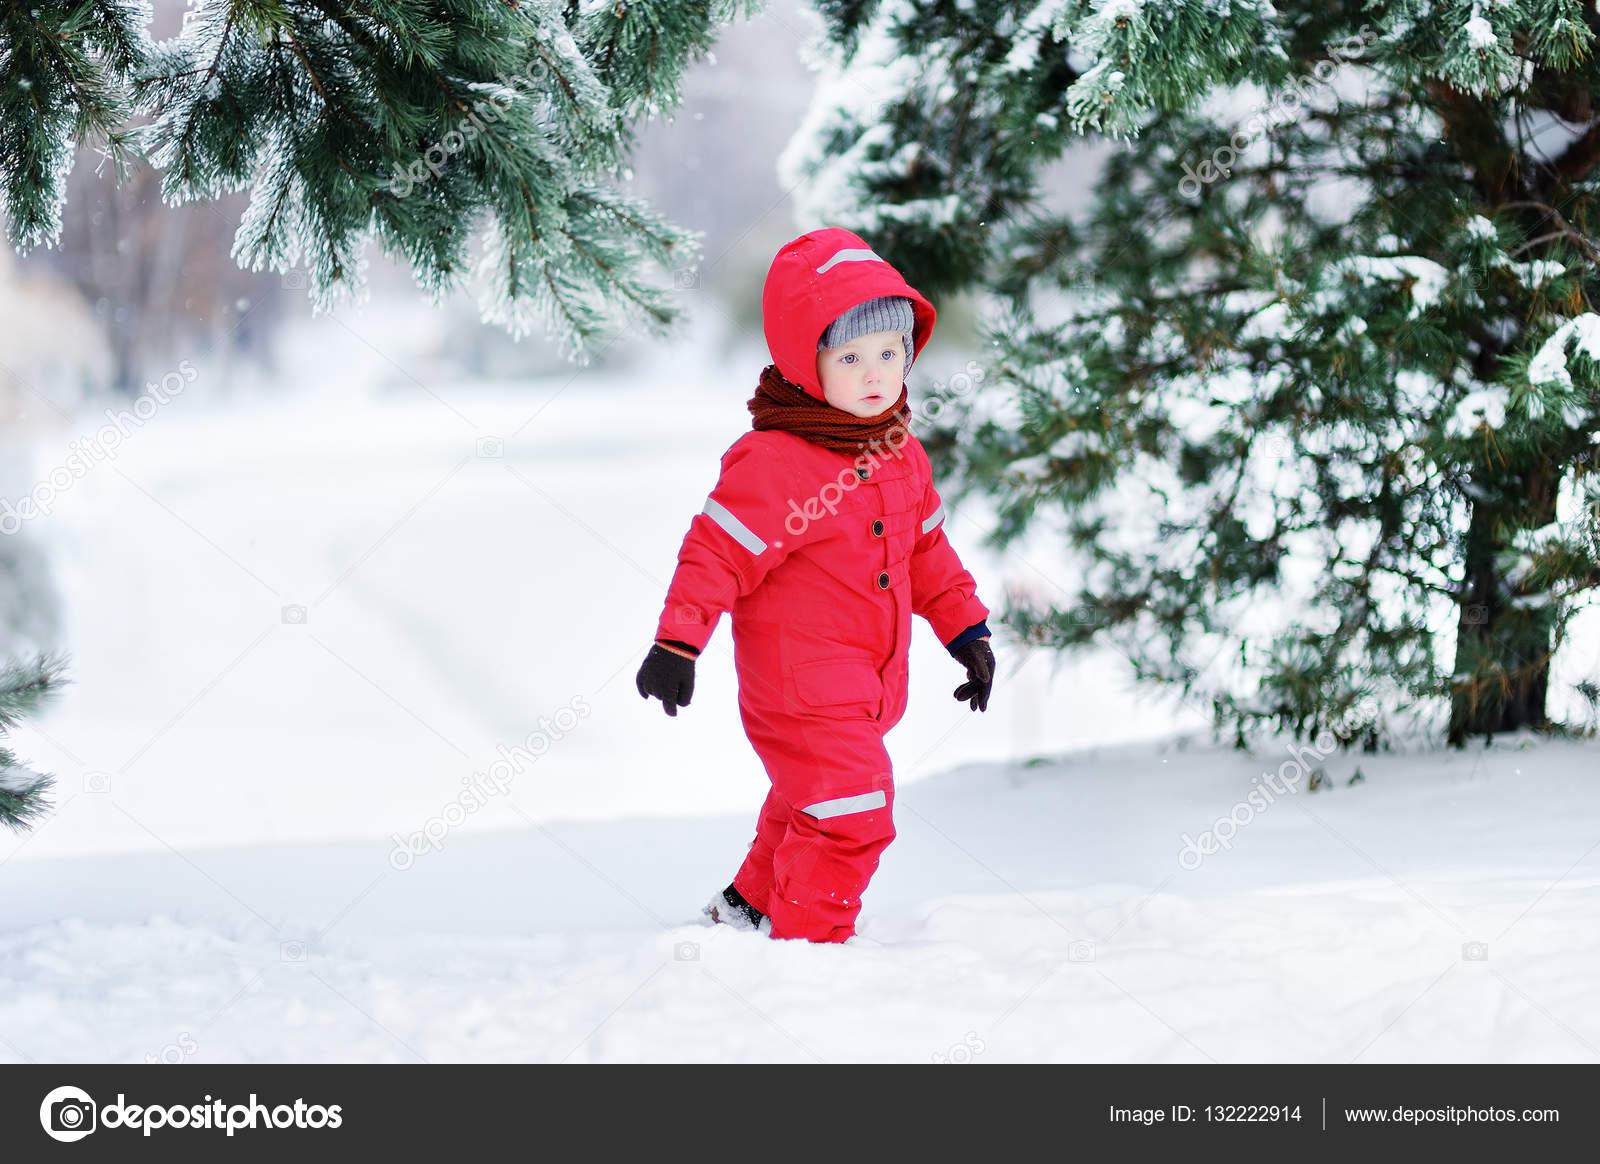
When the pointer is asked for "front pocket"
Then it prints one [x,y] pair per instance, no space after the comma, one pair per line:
[841,686]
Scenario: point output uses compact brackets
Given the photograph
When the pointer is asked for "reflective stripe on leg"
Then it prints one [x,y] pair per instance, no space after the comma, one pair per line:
[845,805]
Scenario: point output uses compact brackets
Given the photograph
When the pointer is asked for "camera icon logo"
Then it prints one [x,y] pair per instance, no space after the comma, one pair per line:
[489,447]
[97,782]
[294,614]
[1474,951]
[1081,951]
[294,280]
[686,952]
[968,1049]
[687,279]
[67,1114]
[292,951]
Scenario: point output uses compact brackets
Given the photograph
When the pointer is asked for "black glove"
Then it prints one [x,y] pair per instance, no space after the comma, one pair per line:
[668,676]
[979,661]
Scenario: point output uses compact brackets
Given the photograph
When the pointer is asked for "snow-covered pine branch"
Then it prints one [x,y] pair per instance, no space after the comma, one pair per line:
[423,125]
[23,686]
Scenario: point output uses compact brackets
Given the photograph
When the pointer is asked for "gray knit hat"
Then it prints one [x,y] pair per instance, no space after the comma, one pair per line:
[885,313]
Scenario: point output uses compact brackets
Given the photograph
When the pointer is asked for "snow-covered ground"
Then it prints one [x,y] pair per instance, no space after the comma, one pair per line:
[1026,913]
[302,624]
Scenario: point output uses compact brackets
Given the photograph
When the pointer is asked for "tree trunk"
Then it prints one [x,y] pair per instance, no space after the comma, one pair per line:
[1503,647]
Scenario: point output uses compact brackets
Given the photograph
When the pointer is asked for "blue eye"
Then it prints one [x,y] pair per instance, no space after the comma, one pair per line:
[847,356]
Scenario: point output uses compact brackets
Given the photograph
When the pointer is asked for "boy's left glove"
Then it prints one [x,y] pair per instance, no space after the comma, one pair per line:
[668,675]
[979,661]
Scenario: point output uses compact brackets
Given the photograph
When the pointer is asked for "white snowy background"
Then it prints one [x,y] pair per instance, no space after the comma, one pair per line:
[302,610]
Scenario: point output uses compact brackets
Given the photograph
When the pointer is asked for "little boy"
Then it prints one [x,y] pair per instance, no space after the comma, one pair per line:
[822,537]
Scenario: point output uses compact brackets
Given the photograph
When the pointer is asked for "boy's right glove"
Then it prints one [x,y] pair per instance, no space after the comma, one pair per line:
[668,676]
[979,662]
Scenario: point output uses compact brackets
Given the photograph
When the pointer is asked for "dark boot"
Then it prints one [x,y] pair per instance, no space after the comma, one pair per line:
[729,908]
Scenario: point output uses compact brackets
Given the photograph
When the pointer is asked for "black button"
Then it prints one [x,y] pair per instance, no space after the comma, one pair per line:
[883,581]
[877,529]
[863,473]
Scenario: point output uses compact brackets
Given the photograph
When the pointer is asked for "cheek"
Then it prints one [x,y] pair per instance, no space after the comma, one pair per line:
[835,387]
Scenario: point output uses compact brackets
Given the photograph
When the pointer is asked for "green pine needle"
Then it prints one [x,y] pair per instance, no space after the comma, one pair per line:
[24,685]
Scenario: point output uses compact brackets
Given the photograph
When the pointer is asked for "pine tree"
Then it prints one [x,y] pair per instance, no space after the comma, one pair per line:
[1309,391]
[22,687]
[423,123]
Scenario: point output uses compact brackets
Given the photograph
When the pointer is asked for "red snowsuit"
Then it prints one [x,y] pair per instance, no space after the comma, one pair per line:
[822,559]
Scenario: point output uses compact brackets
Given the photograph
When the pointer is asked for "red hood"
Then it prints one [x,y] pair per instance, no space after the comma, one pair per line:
[815,279]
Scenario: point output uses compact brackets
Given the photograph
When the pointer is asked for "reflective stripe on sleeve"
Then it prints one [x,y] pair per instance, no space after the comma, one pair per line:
[934,519]
[848,255]
[736,529]
[822,810]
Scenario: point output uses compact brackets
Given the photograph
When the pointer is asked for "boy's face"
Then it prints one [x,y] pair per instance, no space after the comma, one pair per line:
[863,377]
